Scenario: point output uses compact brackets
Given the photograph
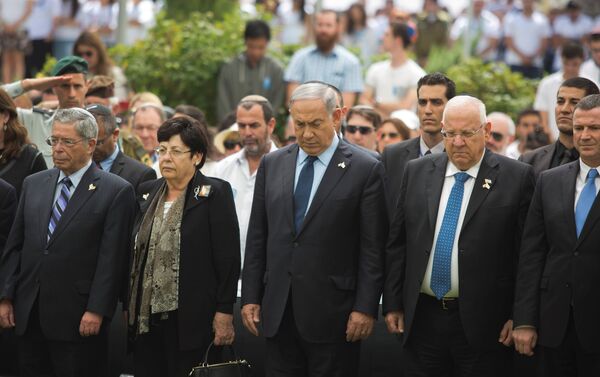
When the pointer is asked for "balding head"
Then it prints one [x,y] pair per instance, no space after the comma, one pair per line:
[502,133]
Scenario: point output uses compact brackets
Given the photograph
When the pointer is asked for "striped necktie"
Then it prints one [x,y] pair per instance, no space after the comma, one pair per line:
[60,205]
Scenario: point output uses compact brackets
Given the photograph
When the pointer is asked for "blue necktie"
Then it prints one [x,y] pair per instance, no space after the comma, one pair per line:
[442,259]
[302,193]
[586,199]
[60,205]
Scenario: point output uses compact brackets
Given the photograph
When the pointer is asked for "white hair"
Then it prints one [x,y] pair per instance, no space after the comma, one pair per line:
[459,103]
[84,121]
[314,90]
[498,117]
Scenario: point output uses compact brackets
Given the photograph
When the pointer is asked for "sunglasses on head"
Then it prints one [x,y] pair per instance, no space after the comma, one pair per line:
[497,136]
[231,144]
[364,130]
[87,54]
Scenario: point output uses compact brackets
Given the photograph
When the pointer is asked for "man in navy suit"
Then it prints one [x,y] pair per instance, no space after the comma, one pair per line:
[62,267]
[313,270]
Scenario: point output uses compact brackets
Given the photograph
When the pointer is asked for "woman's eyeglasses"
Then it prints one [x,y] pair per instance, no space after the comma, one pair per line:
[364,130]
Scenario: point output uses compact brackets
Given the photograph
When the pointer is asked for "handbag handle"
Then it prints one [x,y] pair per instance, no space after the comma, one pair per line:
[211,345]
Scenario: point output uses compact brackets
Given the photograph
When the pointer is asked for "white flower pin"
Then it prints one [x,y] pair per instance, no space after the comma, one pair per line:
[487,184]
[342,165]
[203,191]
[145,196]
[91,187]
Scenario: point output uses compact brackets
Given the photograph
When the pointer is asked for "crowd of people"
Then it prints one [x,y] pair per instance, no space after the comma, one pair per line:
[479,232]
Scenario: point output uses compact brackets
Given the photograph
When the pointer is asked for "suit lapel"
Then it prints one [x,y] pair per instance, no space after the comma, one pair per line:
[288,177]
[591,219]
[117,165]
[568,199]
[197,192]
[333,174]
[85,189]
[488,170]
[414,151]
[46,202]
[435,182]
[546,159]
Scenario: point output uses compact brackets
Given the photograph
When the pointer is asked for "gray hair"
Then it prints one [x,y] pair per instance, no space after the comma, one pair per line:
[588,102]
[460,102]
[149,105]
[312,91]
[84,122]
[502,117]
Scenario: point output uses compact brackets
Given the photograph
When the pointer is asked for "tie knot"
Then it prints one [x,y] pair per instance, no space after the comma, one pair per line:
[461,177]
[67,182]
[592,174]
[311,159]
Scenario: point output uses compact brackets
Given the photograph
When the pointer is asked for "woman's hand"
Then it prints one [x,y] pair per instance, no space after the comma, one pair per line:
[223,328]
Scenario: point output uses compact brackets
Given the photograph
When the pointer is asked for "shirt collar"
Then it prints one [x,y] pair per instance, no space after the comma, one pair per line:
[451,169]
[241,154]
[584,169]
[75,177]
[108,162]
[333,52]
[438,148]
[325,156]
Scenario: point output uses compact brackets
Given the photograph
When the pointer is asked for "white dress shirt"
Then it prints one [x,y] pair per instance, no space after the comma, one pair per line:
[451,169]
[582,180]
[423,148]
[235,170]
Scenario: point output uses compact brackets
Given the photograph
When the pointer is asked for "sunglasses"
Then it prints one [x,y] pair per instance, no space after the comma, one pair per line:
[391,135]
[364,130]
[231,144]
[87,54]
[497,136]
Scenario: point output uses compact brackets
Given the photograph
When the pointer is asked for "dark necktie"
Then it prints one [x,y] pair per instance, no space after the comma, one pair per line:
[586,200]
[303,189]
[99,166]
[442,259]
[428,152]
[60,205]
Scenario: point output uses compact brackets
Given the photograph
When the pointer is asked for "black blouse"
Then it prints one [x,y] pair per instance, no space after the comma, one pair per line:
[29,161]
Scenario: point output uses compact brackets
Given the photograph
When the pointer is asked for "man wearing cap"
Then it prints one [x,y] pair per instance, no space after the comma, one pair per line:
[256,122]
[69,85]
[108,156]
[62,267]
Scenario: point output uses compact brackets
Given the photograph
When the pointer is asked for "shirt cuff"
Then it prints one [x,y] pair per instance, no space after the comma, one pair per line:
[13,89]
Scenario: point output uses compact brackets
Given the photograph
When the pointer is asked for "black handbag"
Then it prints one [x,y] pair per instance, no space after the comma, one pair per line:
[232,368]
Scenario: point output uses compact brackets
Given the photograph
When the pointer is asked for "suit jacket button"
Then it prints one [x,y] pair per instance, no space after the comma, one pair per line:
[45,252]
[576,253]
[427,252]
[296,244]
[567,285]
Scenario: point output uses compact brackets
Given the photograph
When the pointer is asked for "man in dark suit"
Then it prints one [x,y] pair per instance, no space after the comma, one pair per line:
[108,156]
[8,207]
[61,269]
[562,151]
[452,251]
[433,92]
[315,291]
[559,266]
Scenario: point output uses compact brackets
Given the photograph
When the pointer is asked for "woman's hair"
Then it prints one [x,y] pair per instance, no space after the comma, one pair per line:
[402,129]
[193,134]
[15,135]
[352,25]
[90,39]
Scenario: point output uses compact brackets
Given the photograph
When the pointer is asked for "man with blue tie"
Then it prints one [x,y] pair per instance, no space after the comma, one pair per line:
[556,304]
[62,266]
[310,288]
[452,251]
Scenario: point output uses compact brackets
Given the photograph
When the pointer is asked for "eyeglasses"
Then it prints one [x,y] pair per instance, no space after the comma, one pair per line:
[364,130]
[231,144]
[87,54]
[463,135]
[391,135]
[175,153]
[69,143]
[497,136]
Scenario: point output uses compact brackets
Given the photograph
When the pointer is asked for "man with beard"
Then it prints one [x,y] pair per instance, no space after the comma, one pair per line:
[326,61]
[256,122]
[562,151]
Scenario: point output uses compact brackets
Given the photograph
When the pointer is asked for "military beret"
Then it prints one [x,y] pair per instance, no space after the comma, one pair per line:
[69,64]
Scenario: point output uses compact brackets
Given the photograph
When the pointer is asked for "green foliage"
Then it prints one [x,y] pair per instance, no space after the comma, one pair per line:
[180,60]
[181,9]
[494,84]
[440,59]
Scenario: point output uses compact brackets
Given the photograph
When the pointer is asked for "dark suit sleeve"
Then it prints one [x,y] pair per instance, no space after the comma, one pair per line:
[148,175]
[11,256]
[8,208]
[395,255]
[225,236]
[256,243]
[374,228]
[112,253]
[534,249]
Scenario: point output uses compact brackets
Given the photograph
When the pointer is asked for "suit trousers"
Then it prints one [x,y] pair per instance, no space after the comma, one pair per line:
[569,359]
[289,355]
[437,346]
[157,353]
[42,357]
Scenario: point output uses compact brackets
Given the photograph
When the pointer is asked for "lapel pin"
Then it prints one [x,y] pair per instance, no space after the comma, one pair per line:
[145,196]
[342,165]
[203,191]
[487,184]
[91,187]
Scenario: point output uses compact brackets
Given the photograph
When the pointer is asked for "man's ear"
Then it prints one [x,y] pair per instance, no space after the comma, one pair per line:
[271,125]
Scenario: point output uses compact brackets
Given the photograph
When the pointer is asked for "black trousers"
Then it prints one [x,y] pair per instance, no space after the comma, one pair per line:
[437,346]
[42,357]
[289,355]
[569,359]
[157,353]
